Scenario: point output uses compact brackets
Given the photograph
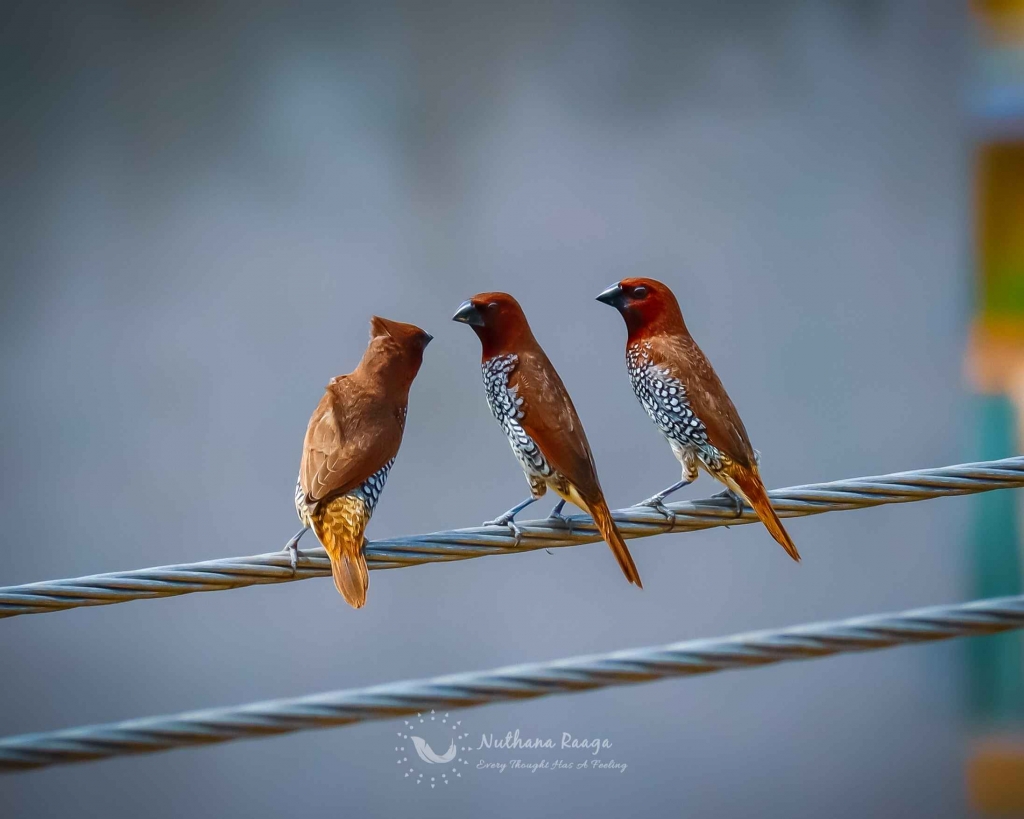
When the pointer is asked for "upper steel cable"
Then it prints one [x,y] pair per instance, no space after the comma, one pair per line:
[461,544]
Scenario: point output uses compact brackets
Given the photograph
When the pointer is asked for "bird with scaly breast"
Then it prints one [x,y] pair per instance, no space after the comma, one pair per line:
[531,404]
[676,384]
[350,445]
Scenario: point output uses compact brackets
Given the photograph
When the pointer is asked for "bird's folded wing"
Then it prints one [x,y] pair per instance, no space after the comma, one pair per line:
[349,438]
[550,419]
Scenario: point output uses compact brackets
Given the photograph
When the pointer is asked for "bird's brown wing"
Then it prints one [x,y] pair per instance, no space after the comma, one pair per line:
[685,361]
[351,435]
[550,419]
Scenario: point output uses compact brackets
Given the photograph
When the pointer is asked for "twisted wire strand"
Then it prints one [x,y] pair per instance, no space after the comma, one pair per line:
[511,683]
[463,544]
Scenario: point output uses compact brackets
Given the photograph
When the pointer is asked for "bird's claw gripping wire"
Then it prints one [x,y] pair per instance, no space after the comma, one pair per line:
[508,521]
[562,520]
[657,503]
[292,548]
[293,555]
[737,501]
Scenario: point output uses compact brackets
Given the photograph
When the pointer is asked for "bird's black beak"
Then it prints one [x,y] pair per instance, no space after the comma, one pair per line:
[427,338]
[614,296]
[469,314]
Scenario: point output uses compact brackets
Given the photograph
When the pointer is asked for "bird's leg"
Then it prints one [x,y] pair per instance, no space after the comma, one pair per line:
[737,501]
[657,502]
[292,547]
[508,519]
[556,514]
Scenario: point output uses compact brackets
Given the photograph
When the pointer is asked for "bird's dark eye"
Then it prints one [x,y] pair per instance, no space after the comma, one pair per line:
[639,292]
[492,306]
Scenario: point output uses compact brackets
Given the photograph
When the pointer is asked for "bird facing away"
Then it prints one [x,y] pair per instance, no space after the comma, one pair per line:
[682,394]
[533,408]
[351,443]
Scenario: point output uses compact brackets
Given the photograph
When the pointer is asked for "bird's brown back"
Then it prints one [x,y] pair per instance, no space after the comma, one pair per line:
[356,429]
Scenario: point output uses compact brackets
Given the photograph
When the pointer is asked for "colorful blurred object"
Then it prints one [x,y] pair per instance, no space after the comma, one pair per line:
[998,95]
[995,776]
[1000,172]
[1002,19]
[995,365]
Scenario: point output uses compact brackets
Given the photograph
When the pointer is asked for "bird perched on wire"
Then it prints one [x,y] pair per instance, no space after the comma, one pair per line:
[533,407]
[683,395]
[351,443]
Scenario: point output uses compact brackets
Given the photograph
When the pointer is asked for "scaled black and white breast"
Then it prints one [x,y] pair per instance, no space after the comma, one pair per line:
[506,407]
[664,397]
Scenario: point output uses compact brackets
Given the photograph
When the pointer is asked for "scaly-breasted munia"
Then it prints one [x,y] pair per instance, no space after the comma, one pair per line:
[351,443]
[533,408]
[683,395]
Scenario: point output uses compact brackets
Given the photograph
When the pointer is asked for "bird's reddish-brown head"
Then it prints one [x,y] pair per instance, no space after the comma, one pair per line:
[395,349]
[648,307]
[499,322]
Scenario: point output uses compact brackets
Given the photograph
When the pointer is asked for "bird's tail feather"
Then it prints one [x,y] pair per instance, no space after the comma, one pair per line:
[750,486]
[340,524]
[610,532]
[351,578]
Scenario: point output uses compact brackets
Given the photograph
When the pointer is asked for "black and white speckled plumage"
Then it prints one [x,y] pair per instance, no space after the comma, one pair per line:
[374,485]
[368,491]
[664,398]
[506,407]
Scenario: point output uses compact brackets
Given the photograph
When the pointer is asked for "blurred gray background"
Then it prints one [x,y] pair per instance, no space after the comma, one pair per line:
[202,205]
